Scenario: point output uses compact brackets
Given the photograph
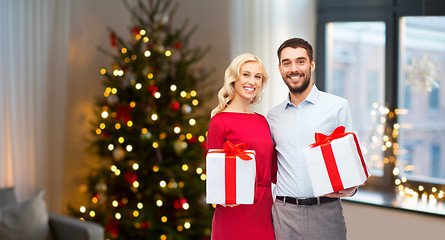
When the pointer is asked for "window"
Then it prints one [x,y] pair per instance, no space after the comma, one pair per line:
[355,63]
[387,58]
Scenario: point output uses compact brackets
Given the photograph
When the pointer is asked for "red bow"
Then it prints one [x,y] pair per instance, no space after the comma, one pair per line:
[321,139]
[237,150]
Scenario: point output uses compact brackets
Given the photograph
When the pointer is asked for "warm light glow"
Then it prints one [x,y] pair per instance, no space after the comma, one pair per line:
[199,170]
[433,189]
[117,172]
[83,209]
[179,228]
[135,184]
[183,94]
[115,203]
[421,188]
[147,53]
[185,167]
[102,126]
[192,121]
[188,136]
[181,184]
[155,168]
[201,139]
[104,114]
[94,200]
[397,181]
[163,237]
[154,117]
[142,32]
[140,205]
[395,171]
[164,219]
[130,123]
[159,203]
[187,225]
[168,53]
[121,139]
[185,206]
[173,88]
[203,177]
[145,39]
[157,95]
[110,147]
[155,145]
[138,86]
[92,213]
[103,71]
[162,183]
[117,126]
[129,148]
[150,75]
[135,166]
[113,168]
[98,131]
[195,102]
[136,213]
[117,216]
[144,130]
[193,93]
[177,129]
[123,50]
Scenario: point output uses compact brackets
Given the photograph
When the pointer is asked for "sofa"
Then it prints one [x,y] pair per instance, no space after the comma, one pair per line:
[31,220]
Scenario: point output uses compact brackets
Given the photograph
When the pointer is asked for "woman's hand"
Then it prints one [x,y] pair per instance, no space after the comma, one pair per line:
[229,205]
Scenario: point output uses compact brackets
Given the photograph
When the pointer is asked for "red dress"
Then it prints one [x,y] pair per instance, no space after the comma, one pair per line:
[254,221]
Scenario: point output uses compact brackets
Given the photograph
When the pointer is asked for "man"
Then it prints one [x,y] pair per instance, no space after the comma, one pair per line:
[297,214]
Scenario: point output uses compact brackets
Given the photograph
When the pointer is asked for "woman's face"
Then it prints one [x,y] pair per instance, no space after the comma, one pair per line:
[249,81]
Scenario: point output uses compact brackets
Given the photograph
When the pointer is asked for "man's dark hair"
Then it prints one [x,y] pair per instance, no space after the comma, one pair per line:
[296,43]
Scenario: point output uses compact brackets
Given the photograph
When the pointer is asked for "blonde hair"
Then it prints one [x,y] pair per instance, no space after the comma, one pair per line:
[227,92]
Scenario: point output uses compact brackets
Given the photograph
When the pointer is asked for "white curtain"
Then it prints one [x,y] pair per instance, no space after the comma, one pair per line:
[260,26]
[33,59]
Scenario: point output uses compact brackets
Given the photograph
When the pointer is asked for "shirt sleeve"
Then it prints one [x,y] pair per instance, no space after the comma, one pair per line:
[216,134]
[345,117]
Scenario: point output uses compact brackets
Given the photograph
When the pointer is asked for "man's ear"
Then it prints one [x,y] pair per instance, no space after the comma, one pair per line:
[312,65]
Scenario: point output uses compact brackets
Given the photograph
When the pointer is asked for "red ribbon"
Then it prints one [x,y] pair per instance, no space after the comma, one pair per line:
[324,142]
[232,151]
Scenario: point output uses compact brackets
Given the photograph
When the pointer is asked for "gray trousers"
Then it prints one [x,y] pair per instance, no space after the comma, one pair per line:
[314,222]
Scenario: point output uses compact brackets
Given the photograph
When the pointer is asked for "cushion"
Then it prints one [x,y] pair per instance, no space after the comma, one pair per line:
[7,197]
[25,221]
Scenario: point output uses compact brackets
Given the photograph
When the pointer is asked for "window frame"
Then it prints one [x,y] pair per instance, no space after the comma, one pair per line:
[389,12]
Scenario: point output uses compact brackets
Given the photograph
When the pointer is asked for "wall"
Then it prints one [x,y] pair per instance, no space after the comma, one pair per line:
[88,30]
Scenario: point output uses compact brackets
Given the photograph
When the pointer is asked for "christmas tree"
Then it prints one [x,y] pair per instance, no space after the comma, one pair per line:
[149,135]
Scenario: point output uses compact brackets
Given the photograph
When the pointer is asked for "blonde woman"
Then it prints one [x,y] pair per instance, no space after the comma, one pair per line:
[232,120]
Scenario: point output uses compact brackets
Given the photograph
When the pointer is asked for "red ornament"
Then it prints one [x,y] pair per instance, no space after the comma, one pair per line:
[112,227]
[177,204]
[123,112]
[178,45]
[130,177]
[174,106]
[152,90]
[145,225]
[136,30]
[113,39]
[192,140]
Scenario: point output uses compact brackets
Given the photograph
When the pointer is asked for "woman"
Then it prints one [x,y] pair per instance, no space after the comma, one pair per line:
[232,120]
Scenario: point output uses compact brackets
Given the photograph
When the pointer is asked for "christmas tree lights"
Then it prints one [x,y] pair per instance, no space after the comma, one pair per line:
[149,134]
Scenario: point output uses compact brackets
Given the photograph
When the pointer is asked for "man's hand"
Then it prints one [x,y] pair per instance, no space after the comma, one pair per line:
[342,193]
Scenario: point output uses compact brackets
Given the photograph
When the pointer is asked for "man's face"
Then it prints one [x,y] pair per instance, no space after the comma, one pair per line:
[296,68]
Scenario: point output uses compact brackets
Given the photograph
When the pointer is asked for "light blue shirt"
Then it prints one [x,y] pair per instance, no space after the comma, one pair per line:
[293,128]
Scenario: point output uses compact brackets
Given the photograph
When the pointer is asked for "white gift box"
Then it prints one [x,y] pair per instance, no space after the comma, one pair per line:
[336,165]
[230,180]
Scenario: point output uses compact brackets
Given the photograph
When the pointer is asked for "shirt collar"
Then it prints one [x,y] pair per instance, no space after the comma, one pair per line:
[312,97]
